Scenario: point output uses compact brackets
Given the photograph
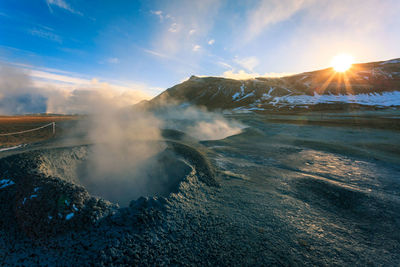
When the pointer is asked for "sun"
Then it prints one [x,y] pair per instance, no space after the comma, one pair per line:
[342,62]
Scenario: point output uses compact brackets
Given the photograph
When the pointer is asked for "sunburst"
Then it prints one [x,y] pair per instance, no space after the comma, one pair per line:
[342,71]
[342,62]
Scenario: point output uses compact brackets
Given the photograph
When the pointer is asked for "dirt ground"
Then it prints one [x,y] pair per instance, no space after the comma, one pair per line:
[12,124]
[294,189]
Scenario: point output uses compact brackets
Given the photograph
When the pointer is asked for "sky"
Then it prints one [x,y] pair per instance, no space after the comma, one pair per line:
[149,46]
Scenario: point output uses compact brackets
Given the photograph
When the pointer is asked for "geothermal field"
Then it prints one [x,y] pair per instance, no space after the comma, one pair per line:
[316,188]
[200,133]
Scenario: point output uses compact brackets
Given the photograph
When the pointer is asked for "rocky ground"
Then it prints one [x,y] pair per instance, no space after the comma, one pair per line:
[280,193]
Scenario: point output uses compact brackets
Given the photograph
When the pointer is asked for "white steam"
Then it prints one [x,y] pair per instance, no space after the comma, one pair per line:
[127,158]
[199,123]
[214,130]
[17,94]
[20,95]
[126,164]
[125,145]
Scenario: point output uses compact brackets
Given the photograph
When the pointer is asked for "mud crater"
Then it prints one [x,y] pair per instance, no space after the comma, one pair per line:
[158,176]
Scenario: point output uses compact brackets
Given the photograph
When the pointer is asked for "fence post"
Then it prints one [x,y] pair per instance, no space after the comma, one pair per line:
[54,128]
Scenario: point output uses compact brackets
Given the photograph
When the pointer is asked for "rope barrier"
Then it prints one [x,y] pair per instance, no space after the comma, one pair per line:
[31,130]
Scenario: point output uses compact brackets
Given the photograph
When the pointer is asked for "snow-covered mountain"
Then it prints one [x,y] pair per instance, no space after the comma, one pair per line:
[369,84]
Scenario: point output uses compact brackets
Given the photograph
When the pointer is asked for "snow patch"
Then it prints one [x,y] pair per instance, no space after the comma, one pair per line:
[246,96]
[385,99]
[246,109]
[74,207]
[393,61]
[5,183]
[235,96]
[268,95]
[69,216]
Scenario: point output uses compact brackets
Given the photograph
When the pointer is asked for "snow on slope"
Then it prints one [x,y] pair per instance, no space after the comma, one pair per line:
[371,84]
[393,61]
[385,99]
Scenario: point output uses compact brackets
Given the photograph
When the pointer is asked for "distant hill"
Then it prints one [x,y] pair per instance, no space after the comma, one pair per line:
[370,84]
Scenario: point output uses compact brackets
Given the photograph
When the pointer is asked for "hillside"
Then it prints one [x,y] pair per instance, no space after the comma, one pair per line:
[370,84]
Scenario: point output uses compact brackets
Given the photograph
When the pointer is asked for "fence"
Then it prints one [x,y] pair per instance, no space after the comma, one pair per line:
[32,130]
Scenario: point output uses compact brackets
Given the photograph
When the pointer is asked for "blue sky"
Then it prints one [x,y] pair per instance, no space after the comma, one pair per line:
[152,45]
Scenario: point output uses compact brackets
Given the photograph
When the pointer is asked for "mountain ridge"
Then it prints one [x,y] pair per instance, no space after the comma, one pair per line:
[371,84]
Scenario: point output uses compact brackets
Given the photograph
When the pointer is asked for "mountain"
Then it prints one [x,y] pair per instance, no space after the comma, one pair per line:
[367,84]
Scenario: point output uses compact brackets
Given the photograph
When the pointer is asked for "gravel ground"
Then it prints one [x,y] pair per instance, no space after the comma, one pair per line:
[276,194]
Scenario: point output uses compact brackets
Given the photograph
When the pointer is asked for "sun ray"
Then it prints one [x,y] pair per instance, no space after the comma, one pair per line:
[347,84]
[326,83]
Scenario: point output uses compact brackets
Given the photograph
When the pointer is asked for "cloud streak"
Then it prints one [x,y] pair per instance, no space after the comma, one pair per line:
[243,75]
[46,35]
[63,5]
[270,12]
[248,63]
[187,27]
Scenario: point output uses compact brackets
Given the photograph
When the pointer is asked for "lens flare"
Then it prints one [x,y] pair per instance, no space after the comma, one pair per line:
[342,62]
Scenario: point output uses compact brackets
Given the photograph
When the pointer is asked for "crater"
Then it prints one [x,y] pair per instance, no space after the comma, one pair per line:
[159,175]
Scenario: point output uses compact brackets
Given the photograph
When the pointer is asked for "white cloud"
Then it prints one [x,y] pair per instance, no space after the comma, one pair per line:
[248,63]
[113,60]
[323,30]
[161,15]
[243,75]
[46,35]
[174,27]
[177,37]
[156,53]
[324,26]
[70,81]
[269,12]
[277,74]
[224,64]
[196,48]
[211,42]
[240,75]
[158,13]
[49,77]
[62,4]
[28,90]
